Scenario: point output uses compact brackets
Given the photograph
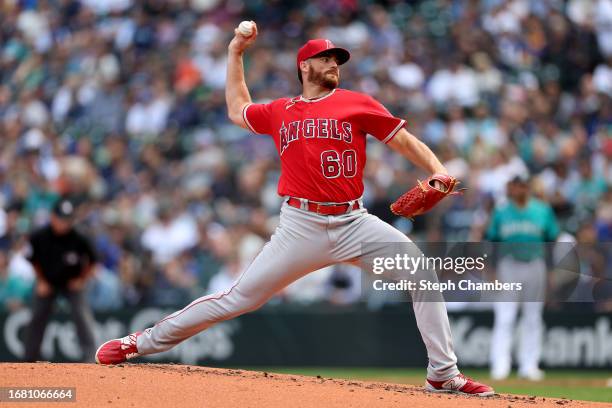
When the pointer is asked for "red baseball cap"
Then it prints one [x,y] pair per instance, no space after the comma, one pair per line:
[317,46]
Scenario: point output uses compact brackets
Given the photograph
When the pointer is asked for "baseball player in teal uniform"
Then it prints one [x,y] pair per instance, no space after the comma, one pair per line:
[520,224]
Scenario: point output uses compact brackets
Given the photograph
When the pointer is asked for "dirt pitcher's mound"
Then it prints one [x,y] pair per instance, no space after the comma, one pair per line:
[157,385]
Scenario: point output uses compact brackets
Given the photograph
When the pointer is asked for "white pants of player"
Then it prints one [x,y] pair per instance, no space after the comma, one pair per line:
[532,275]
[304,242]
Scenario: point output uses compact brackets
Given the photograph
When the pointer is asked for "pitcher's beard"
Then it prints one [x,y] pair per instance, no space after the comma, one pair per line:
[322,80]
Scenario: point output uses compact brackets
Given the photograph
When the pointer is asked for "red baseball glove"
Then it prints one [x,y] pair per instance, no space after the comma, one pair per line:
[424,196]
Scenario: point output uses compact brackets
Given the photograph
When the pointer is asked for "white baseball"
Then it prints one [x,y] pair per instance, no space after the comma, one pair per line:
[246,28]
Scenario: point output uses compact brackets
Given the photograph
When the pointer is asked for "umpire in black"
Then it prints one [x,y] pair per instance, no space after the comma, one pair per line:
[63,259]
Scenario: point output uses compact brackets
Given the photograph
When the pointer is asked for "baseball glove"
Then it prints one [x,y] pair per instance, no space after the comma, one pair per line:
[424,196]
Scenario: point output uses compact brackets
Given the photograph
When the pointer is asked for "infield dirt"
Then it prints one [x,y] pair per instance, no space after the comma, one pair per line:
[161,385]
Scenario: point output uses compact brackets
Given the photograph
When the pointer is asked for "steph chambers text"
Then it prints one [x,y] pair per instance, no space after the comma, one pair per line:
[461,285]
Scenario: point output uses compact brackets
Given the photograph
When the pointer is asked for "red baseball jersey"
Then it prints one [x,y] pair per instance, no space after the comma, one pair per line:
[322,142]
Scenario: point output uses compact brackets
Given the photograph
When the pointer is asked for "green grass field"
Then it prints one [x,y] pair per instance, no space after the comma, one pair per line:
[571,384]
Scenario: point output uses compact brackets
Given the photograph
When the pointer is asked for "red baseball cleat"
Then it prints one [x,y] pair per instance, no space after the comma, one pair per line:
[460,384]
[118,351]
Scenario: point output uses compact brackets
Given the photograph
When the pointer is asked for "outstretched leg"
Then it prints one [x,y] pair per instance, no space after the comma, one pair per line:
[300,245]
[431,316]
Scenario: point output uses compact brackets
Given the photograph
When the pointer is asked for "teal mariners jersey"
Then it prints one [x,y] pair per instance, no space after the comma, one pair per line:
[531,224]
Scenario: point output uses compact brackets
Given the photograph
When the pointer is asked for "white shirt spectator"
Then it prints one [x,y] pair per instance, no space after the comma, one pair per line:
[103,7]
[108,68]
[602,79]
[488,77]
[603,26]
[20,267]
[148,118]
[581,11]
[203,5]
[408,76]
[34,139]
[205,37]
[119,29]
[502,20]
[352,36]
[35,27]
[489,80]
[212,70]
[458,167]
[552,183]
[459,133]
[61,104]
[493,181]
[166,241]
[87,92]
[35,114]
[136,119]
[447,86]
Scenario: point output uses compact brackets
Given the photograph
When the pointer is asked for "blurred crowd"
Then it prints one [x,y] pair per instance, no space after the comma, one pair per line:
[120,105]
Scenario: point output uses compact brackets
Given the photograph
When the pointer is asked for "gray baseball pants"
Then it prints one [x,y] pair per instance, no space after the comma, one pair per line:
[302,243]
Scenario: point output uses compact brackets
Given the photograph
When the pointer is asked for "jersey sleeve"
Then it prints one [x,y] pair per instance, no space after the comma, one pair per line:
[377,121]
[258,117]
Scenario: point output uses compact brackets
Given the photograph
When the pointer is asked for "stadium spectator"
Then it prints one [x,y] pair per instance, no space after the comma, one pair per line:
[14,290]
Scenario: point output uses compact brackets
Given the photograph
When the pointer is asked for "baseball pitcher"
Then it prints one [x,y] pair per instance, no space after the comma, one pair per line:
[320,137]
